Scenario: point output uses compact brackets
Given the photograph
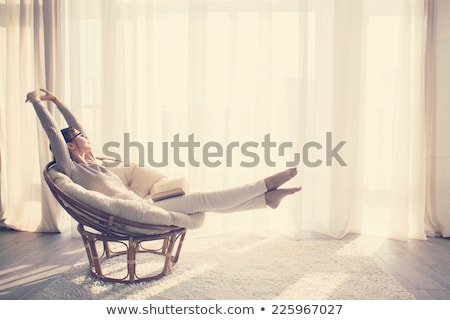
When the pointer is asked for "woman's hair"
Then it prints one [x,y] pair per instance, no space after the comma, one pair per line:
[68,134]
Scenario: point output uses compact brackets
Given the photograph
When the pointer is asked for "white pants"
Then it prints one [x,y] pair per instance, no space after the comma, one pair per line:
[246,197]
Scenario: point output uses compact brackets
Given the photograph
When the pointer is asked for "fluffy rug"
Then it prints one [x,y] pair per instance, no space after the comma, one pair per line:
[246,268]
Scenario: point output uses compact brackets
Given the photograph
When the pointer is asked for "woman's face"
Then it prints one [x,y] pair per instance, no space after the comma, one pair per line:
[81,142]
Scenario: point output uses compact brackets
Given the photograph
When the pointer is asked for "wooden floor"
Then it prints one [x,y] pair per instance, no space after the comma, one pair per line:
[29,261]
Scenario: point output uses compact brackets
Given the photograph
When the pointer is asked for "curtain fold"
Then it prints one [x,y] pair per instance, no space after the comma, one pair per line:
[334,87]
[29,62]
[438,151]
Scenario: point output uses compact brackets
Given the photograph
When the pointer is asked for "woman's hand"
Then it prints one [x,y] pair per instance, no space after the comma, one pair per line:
[33,96]
[50,96]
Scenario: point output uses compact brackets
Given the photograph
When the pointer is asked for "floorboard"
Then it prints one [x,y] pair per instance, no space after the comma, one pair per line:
[29,261]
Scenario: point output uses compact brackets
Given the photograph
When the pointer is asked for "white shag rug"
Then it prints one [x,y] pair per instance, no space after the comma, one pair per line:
[245,267]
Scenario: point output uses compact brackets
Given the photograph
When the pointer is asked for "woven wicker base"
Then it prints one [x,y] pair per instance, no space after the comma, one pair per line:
[170,248]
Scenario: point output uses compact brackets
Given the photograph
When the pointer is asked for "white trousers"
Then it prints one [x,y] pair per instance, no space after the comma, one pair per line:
[246,197]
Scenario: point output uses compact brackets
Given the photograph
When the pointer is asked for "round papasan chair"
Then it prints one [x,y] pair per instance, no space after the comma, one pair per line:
[133,225]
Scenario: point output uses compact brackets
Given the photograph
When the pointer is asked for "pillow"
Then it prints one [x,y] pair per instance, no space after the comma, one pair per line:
[136,210]
[138,179]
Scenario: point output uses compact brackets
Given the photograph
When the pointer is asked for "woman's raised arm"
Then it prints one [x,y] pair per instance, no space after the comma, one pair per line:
[57,143]
[67,114]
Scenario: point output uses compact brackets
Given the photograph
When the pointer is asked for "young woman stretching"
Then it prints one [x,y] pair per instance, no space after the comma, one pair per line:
[73,156]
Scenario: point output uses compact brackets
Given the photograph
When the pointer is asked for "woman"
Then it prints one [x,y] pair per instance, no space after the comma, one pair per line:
[72,150]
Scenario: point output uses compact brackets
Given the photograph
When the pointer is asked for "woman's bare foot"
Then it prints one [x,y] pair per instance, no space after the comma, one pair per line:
[273,182]
[274,197]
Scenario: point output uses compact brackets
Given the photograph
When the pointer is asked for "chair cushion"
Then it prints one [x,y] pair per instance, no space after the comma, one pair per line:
[138,210]
[138,179]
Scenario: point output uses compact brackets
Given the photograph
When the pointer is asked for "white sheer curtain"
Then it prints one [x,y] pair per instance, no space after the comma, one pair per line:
[235,71]
[31,58]
[232,74]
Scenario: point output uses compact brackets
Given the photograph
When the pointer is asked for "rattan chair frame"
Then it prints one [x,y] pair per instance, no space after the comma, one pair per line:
[98,227]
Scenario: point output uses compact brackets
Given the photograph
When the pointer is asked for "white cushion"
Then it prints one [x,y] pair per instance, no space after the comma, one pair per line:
[140,180]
